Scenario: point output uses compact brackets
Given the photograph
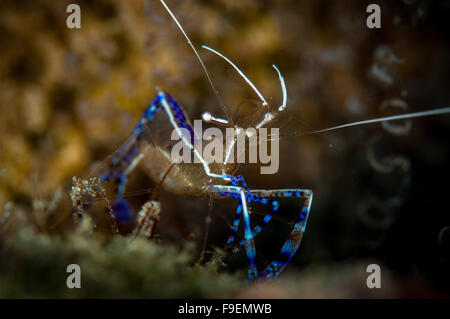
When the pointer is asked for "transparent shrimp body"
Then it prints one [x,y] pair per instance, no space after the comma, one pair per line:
[150,146]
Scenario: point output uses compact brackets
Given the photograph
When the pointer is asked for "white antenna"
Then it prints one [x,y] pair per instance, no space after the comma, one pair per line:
[216,92]
[444,110]
[261,97]
[283,89]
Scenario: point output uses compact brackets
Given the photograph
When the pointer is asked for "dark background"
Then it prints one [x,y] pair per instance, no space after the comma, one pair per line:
[69,98]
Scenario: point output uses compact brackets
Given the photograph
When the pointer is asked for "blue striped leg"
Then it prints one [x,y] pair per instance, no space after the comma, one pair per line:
[129,154]
[250,198]
[234,229]
[249,243]
[292,244]
[235,181]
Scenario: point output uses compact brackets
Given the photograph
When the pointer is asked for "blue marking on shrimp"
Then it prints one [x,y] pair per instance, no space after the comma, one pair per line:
[180,116]
[126,159]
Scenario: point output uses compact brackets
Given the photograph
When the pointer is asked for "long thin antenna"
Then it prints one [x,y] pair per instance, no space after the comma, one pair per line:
[216,92]
[283,89]
[444,110]
[261,97]
[271,115]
